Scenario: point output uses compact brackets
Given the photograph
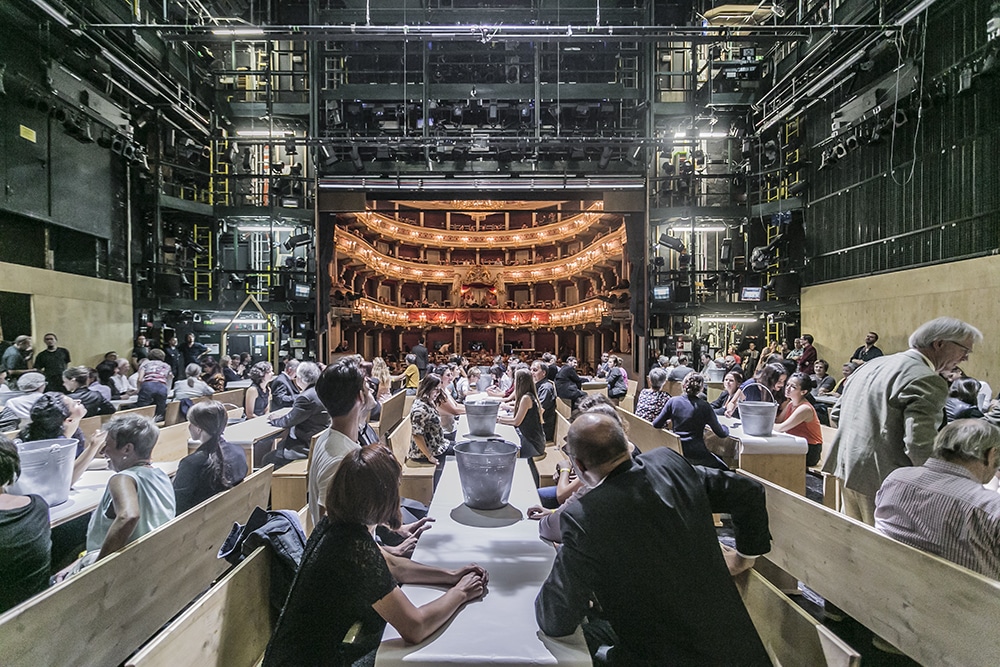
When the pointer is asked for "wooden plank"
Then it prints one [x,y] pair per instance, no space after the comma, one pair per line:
[785,470]
[936,612]
[792,637]
[646,436]
[90,425]
[129,595]
[172,445]
[563,407]
[173,413]
[148,411]
[392,414]
[230,397]
[290,486]
[229,626]
[417,481]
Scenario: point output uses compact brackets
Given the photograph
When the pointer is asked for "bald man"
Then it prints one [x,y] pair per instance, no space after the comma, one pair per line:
[642,543]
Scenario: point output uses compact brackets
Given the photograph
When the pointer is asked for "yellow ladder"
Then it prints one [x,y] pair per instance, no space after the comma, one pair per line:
[220,170]
[203,263]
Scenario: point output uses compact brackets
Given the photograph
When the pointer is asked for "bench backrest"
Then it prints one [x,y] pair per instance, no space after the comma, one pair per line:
[173,413]
[936,612]
[172,445]
[563,407]
[646,436]
[90,425]
[829,433]
[229,626]
[230,396]
[629,401]
[392,414]
[790,635]
[673,387]
[145,411]
[399,440]
[102,615]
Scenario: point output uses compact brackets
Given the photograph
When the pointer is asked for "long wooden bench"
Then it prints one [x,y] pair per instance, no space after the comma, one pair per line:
[646,436]
[934,611]
[229,626]
[831,490]
[628,403]
[791,636]
[102,615]
[418,478]
[392,414]
[546,464]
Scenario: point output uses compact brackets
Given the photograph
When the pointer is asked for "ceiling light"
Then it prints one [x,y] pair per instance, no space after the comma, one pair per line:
[727,318]
[238,32]
[260,133]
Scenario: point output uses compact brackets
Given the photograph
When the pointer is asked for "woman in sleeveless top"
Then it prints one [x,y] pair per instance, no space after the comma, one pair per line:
[527,419]
[257,401]
[798,416]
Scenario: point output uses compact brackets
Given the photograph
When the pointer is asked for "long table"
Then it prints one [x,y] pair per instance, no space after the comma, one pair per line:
[87,492]
[779,457]
[500,629]
[248,433]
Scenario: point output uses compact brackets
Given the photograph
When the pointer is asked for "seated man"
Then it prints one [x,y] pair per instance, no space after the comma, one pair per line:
[306,418]
[568,382]
[643,545]
[941,506]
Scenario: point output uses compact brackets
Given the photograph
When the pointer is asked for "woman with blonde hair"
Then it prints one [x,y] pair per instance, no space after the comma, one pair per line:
[380,371]
[527,419]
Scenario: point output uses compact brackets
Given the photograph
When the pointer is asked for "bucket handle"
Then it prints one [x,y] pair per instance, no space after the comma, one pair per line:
[765,389]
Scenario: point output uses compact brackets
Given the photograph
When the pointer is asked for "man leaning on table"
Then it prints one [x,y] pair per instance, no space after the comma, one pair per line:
[642,546]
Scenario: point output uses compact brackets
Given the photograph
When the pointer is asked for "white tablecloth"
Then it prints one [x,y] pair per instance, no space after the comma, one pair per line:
[499,629]
[87,492]
[776,443]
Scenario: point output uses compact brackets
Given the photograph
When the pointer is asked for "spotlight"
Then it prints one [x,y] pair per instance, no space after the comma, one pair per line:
[770,152]
[356,159]
[297,240]
[247,164]
[672,242]
[852,142]
[327,156]
[59,114]
[605,158]
[899,118]
[840,150]
[277,167]
[117,144]
[104,141]
[795,189]
[129,151]
[232,153]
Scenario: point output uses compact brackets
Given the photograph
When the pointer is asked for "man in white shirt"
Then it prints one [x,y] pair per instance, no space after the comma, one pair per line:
[33,386]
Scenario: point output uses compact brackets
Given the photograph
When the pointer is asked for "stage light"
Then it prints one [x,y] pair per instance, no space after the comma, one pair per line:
[605,158]
[290,146]
[672,242]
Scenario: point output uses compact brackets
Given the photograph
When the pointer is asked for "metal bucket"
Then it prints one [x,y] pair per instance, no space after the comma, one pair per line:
[715,374]
[482,416]
[486,470]
[46,469]
[757,417]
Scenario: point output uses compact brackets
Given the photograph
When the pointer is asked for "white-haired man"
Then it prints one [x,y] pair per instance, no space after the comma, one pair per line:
[890,412]
[942,506]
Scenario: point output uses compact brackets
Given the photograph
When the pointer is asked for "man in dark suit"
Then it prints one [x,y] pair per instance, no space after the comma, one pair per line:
[283,387]
[306,418]
[642,543]
[420,352]
[546,396]
[568,383]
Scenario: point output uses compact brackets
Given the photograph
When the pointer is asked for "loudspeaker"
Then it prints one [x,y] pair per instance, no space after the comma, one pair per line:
[726,251]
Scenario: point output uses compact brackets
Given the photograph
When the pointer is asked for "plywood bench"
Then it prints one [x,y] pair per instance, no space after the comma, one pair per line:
[229,397]
[628,403]
[290,485]
[934,611]
[646,436]
[392,414]
[831,491]
[546,464]
[172,445]
[790,635]
[418,478]
[102,615]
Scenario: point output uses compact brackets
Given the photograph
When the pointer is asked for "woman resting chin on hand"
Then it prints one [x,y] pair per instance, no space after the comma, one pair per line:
[345,590]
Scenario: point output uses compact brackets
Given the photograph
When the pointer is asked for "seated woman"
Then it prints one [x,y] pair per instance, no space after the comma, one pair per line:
[824,383]
[212,374]
[689,415]
[469,384]
[76,379]
[25,536]
[962,400]
[56,416]
[651,400]
[104,385]
[346,588]
[527,419]
[771,376]
[447,406]
[731,383]
[257,400]
[192,386]
[138,498]
[121,378]
[380,372]
[215,466]
[427,441]
[798,416]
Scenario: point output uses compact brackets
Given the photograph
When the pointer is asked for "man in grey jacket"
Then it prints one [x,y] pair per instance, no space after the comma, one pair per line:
[890,413]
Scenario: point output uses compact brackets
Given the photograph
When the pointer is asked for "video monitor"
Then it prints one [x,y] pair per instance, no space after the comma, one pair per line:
[301,290]
[751,294]
[661,293]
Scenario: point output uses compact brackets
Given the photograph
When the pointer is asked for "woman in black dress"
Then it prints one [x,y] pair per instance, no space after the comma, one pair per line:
[345,590]
[527,419]
[215,466]
[689,415]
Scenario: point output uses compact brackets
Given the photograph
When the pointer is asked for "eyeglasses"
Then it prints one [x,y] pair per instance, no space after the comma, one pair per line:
[968,350]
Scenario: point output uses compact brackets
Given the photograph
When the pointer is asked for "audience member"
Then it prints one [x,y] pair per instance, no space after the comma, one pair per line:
[25,535]
[283,387]
[154,378]
[410,375]
[568,383]
[215,466]
[427,441]
[212,374]
[807,360]
[795,352]
[306,418]
[617,379]
[770,378]
[680,370]
[120,380]
[527,419]
[173,357]
[651,400]
[104,384]
[890,413]
[941,505]
[33,385]
[139,351]
[798,416]
[663,583]
[546,397]
[192,386]
[15,358]
[191,350]
[730,385]
[868,351]
[419,352]
[824,384]
[341,559]
[52,361]
[962,401]
[469,384]
[257,399]
[845,372]
[689,415]
[449,409]
[380,371]
[76,380]
[226,364]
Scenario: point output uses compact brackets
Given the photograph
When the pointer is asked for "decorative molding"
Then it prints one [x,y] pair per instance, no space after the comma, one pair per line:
[587,312]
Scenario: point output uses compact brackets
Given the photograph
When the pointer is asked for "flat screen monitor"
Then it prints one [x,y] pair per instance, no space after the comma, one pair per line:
[751,294]
[661,293]
[301,290]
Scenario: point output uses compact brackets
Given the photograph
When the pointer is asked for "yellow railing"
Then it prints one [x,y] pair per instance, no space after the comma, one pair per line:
[587,312]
